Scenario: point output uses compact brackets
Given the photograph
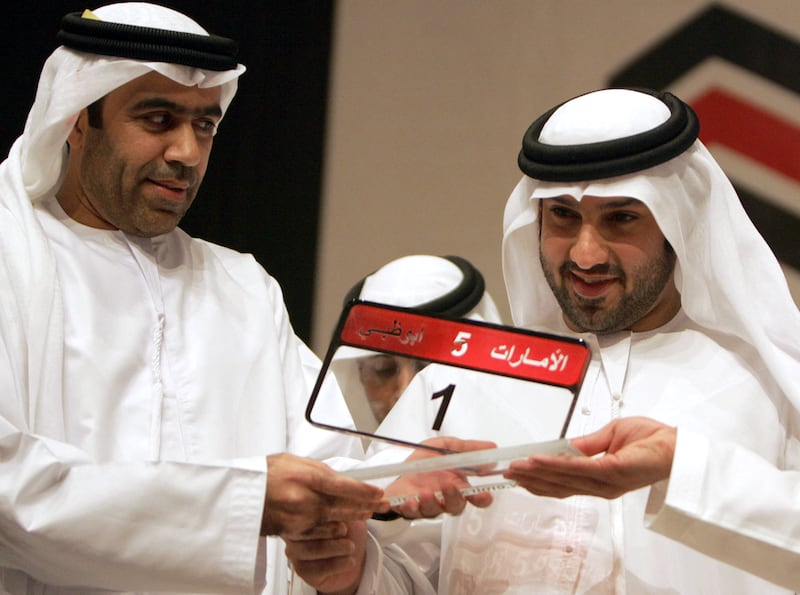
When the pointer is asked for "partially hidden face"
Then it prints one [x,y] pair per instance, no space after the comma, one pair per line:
[141,169]
[607,263]
[384,378]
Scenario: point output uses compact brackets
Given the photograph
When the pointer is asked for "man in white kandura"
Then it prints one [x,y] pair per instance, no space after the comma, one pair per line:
[152,383]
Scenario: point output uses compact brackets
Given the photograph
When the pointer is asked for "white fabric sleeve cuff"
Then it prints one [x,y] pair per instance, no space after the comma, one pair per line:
[389,571]
[685,484]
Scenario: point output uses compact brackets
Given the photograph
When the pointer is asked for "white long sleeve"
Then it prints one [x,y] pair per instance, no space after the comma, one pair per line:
[389,569]
[733,505]
[133,526]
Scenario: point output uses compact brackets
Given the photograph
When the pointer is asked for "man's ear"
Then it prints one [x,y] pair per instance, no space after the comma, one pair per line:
[78,131]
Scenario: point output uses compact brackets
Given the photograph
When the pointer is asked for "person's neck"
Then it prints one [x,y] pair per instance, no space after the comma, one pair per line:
[80,210]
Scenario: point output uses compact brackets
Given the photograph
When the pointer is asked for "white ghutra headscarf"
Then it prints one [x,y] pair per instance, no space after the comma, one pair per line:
[728,277]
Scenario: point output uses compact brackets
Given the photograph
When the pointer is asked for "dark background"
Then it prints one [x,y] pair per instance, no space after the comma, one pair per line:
[262,189]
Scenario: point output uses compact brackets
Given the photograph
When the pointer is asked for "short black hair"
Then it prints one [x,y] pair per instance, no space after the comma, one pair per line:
[95,112]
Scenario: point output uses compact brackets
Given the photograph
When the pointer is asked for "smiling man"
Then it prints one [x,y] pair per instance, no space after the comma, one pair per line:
[608,264]
[625,232]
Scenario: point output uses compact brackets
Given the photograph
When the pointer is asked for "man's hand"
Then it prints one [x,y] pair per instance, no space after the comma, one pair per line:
[329,557]
[432,493]
[638,452]
[303,493]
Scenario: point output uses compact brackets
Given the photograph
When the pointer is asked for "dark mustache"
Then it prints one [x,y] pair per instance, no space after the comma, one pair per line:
[598,269]
[178,172]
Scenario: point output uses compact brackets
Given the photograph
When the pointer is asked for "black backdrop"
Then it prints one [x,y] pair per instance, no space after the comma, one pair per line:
[261,192]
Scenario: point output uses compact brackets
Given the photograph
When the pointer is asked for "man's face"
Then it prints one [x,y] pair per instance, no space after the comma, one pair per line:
[384,378]
[140,171]
[607,263]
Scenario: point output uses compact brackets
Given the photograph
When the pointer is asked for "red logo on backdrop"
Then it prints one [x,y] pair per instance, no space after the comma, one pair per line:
[749,130]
